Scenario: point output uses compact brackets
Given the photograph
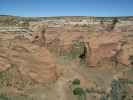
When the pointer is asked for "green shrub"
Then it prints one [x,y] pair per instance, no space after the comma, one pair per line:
[76,82]
[3,97]
[80,93]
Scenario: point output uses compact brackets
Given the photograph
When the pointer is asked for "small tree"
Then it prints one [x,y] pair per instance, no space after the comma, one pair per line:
[3,97]
[76,82]
[80,93]
[115,20]
[77,90]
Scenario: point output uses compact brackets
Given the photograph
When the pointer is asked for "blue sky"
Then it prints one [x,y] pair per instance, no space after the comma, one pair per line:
[66,7]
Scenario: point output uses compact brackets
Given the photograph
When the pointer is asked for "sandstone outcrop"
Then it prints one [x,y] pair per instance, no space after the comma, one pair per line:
[103,45]
[39,34]
[95,47]
[31,60]
[4,63]
[127,50]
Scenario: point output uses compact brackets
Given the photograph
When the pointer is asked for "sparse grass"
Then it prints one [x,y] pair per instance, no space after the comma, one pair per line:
[64,59]
[13,78]
[17,97]
[4,97]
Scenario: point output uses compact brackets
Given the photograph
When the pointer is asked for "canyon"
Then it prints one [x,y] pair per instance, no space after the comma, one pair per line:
[49,58]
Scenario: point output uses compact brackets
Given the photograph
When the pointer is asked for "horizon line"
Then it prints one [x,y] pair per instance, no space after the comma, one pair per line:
[67,16]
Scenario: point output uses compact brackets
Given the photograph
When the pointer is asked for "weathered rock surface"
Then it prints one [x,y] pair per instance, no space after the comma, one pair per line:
[32,61]
[59,52]
[124,55]
[4,63]
[103,45]
[98,45]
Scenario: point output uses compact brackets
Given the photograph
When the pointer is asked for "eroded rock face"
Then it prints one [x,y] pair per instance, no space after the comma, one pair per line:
[99,46]
[4,63]
[72,43]
[38,35]
[59,40]
[44,70]
[103,45]
[126,52]
[31,60]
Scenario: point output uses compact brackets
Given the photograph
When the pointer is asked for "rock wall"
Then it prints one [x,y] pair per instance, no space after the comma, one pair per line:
[100,45]
[31,60]
[103,45]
